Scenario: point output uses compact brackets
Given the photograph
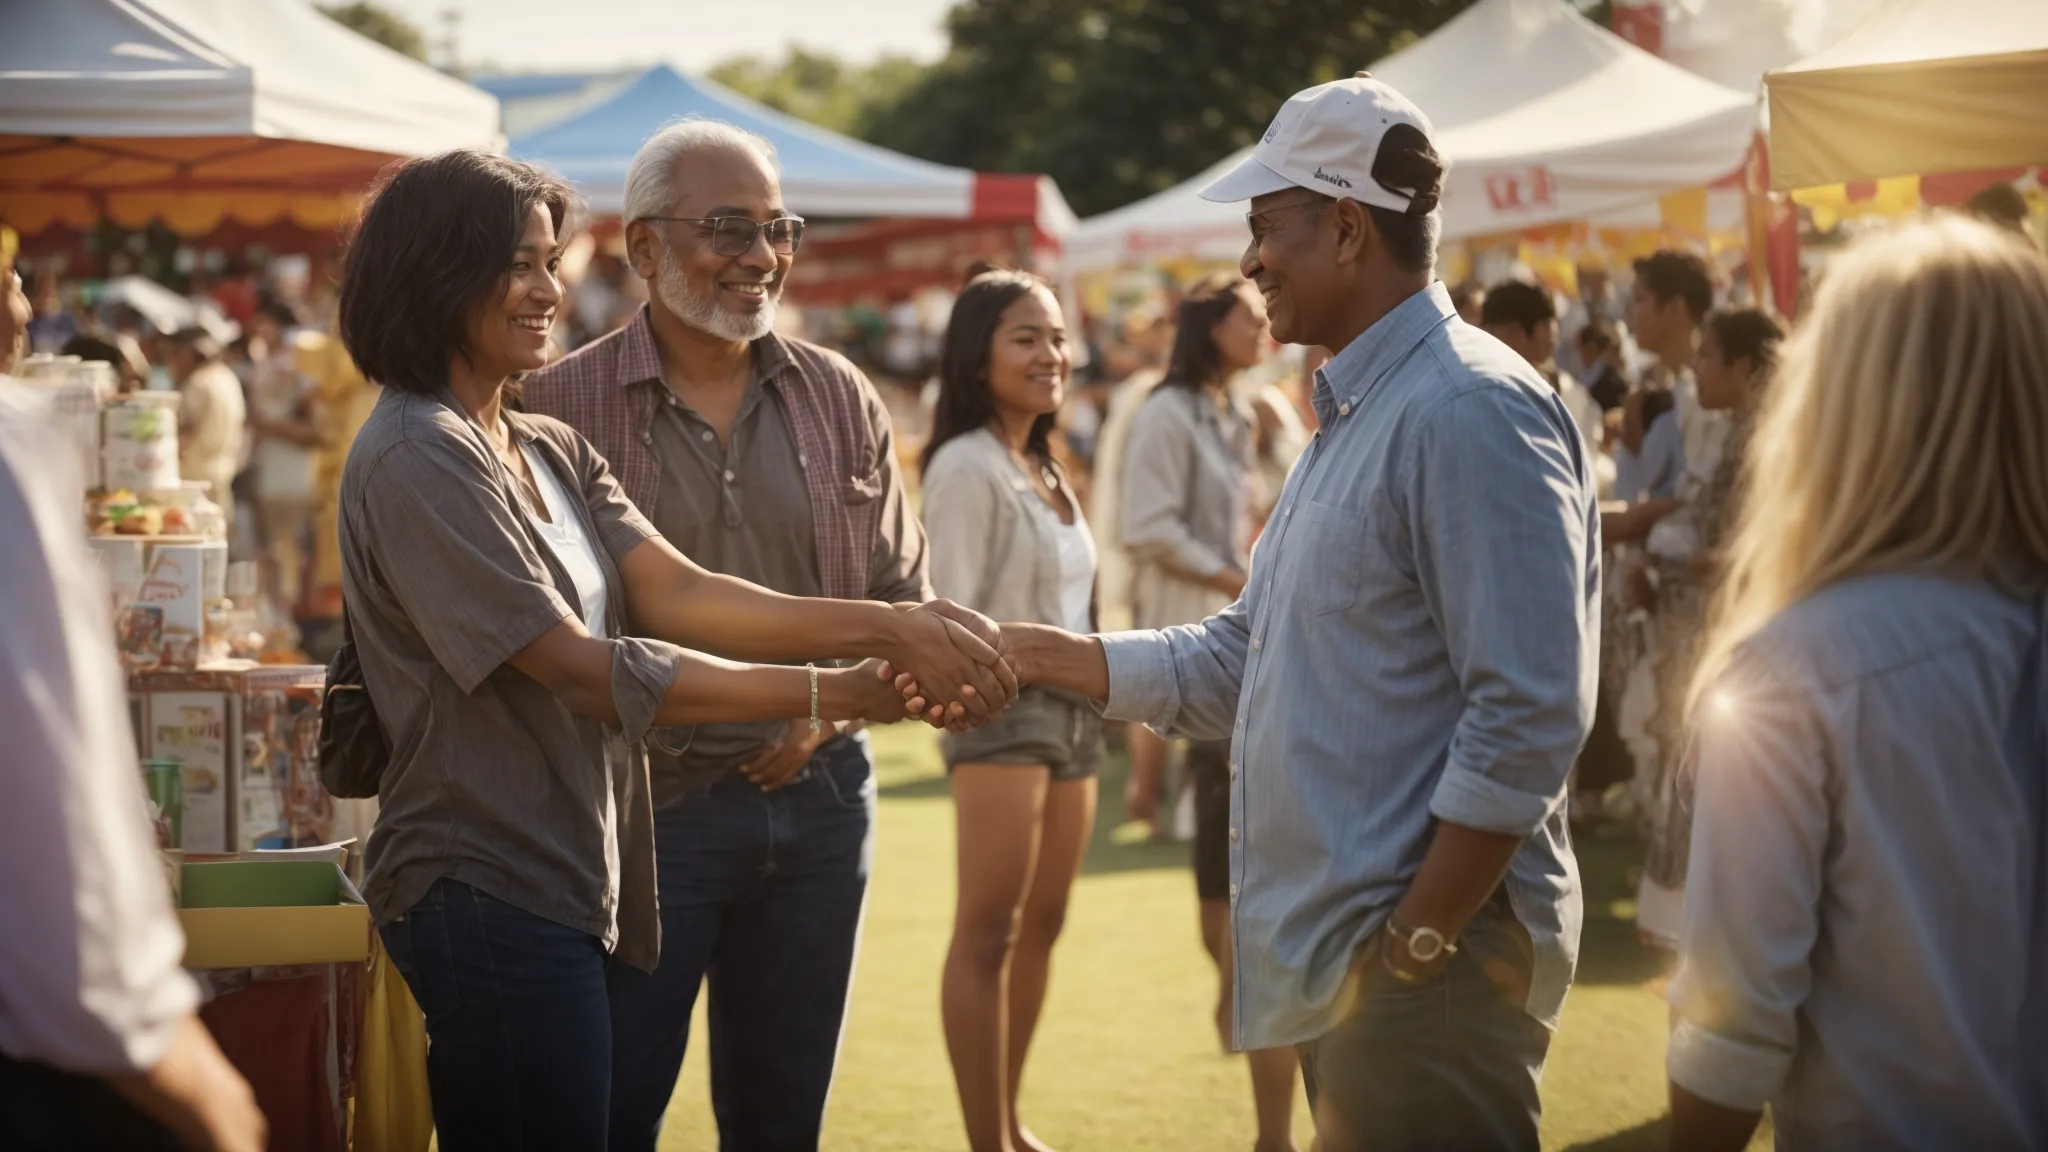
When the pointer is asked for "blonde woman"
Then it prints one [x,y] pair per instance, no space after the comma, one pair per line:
[1866,934]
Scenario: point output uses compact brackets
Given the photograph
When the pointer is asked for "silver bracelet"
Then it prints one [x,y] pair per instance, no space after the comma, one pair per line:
[817,725]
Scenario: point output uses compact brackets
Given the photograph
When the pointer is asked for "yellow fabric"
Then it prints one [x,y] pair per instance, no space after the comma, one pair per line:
[1829,204]
[1685,212]
[393,1112]
[343,401]
[1829,126]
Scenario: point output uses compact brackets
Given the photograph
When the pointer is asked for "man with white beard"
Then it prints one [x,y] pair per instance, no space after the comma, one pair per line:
[772,460]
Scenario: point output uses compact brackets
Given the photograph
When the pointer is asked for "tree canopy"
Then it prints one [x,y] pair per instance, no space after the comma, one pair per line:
[380,24]
[1118,99]
[820,87]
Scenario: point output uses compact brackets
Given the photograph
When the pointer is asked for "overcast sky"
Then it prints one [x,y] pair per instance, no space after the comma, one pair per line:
[570,35]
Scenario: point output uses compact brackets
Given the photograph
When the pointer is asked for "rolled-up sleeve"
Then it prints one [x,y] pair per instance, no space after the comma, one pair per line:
[1183,681]
[450,550]
[642,671]
[1753,889]
[1159,462]
[1502,534]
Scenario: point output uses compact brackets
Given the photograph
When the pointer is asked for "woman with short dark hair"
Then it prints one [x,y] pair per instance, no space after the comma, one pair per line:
[1008,538]
[490,566]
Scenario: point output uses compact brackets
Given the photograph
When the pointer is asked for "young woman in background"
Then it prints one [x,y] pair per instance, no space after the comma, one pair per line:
[1008,538]
[1187,525]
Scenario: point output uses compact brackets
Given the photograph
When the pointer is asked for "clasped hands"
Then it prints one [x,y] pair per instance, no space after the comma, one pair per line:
[938,642]
[958,653]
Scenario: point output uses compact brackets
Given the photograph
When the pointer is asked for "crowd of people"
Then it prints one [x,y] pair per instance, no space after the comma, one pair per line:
[269,404]
[1778,598]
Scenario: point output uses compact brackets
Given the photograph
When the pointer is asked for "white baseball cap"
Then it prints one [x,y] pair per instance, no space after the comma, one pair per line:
[1326,139]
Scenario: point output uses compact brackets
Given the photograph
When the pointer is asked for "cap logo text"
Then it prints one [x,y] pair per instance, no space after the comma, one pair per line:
[1328,178]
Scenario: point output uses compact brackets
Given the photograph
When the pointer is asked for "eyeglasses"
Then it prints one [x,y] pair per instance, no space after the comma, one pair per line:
[734,235]
[1260,225]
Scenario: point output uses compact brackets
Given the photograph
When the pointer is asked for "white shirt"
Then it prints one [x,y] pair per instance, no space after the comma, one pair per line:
[89,947]
[211,422]
[563,530]
[1077,570]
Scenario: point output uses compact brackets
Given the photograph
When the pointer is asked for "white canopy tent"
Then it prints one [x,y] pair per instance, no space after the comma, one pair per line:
[1544,116]
[1734,42]
[189,110]
[1921,86]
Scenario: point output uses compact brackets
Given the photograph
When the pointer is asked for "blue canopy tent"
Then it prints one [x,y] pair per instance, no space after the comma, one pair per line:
[598,122]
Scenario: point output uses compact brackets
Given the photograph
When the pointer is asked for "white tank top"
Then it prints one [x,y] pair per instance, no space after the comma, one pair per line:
[563,531]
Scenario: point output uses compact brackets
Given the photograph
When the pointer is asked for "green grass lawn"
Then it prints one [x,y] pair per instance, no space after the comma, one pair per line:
[1125,1058]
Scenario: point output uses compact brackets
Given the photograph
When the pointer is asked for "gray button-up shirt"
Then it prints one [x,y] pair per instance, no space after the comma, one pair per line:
[1866,911]
[492,781]
[1418,643]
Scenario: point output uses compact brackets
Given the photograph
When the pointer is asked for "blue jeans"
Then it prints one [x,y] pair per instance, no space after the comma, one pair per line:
[519,1037]
[1447,1066]
[763,891]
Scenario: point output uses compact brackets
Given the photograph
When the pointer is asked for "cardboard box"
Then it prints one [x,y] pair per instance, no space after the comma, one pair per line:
[254,913]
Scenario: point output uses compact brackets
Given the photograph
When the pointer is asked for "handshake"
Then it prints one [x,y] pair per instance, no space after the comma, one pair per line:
[947,665]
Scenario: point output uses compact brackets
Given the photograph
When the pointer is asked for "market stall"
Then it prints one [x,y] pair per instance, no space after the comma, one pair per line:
[192,113]
[1573,123]
[1920,86]
[255,850]
[587,128]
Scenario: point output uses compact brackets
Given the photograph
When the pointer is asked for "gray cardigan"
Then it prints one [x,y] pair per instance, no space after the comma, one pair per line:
[1185,513]
[990,549]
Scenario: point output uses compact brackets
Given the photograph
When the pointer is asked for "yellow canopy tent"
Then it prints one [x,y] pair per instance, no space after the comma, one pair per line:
[1921,86]
[196,112]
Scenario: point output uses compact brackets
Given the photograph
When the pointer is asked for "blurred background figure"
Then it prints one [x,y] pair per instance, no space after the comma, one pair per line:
[100,1046]
[1871,709]
[1188,456]
[212,416]
[1468,298]
[343,399]
[2003,206]
[1522,315]
[1188,485]
[1135,365]
[53,326]
[1278,439]
[284,454]
[1600,364]
[1675,572]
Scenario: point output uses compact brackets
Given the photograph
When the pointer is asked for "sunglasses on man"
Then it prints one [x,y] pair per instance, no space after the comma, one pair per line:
[734,235]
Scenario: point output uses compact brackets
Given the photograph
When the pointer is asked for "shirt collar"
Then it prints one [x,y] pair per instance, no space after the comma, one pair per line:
[1353,372]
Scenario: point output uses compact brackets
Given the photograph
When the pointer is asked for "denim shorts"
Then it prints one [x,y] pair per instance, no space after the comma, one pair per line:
[1041,727]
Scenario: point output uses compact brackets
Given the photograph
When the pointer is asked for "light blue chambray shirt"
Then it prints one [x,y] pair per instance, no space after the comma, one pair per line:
[1866,910]
[1418,641]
